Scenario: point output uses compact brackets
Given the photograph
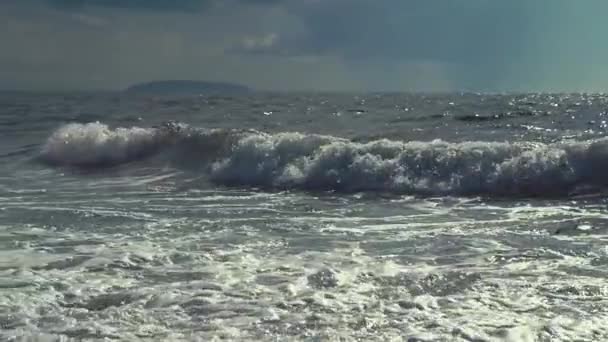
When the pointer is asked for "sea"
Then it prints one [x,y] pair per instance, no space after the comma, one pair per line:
[303,217]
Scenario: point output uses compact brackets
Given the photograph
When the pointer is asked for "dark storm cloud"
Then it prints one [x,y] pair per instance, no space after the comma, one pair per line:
[483,44]
[458,29]
[369,44]
[479,39]
[166,5]
[136,4]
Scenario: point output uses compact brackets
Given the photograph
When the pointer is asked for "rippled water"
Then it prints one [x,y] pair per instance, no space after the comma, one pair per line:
[303,217]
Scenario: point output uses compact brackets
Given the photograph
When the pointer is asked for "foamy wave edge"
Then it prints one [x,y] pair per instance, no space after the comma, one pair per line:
[316,162]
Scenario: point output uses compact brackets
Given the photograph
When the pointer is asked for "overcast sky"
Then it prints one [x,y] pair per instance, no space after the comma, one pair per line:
[411,45]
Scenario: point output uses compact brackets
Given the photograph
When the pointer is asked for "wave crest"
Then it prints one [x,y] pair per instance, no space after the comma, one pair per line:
[316,162]
[437,167]
[96,144]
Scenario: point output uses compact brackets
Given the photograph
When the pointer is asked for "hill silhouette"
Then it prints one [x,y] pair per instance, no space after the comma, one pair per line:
[174,87]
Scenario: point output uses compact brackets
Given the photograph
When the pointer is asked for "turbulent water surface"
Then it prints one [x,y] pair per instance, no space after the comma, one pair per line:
[320,217]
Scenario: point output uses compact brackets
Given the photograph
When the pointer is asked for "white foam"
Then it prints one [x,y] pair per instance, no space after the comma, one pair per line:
[96,143]
[316,162]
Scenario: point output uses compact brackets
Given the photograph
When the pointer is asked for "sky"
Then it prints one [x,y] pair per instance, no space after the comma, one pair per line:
[326,45]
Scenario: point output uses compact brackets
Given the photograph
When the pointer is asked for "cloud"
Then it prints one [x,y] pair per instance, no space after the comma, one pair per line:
[457,30]
[263,42]
[304,44]
[160,5]
[258,44]
[131,4]
[111,48]
[478,44]
[89,20]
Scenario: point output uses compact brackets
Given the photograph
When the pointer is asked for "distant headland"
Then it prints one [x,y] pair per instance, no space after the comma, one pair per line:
[187,87]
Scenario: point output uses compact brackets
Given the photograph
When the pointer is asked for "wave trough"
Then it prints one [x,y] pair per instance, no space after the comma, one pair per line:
[317,162]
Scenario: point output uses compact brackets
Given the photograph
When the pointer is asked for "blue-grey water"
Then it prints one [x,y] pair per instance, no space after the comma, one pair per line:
[315,217]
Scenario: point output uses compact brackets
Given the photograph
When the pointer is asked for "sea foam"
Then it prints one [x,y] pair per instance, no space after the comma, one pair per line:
[317,162]
[97,144]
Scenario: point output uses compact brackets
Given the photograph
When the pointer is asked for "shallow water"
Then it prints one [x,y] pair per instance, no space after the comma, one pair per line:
[303,217]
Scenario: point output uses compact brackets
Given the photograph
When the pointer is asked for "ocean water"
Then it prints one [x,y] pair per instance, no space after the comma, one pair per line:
[303,217]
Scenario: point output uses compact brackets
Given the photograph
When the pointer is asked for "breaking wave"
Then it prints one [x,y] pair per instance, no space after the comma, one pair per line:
[97,144]
[317,162]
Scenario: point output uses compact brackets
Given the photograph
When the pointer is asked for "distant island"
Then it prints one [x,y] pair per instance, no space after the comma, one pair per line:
[187,87]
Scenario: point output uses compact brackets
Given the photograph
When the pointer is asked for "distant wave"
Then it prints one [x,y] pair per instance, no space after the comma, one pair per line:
[317,162]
